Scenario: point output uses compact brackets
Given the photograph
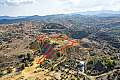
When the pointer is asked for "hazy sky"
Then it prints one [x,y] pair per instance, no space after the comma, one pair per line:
[47,7]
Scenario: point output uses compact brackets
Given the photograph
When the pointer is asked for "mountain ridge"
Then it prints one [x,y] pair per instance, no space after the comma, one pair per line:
[80,16]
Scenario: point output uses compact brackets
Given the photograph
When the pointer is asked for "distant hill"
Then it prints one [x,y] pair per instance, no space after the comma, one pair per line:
[89,16]
[6,17]
[9,17]
[103,13]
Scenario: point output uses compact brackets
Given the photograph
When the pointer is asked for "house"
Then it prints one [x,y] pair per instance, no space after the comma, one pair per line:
[118,55]
[81,66]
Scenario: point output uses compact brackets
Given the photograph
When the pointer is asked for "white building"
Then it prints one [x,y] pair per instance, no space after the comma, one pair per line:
[81,66]
[118,55]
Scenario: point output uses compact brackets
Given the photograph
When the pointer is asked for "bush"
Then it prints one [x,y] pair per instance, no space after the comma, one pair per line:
[22,66]
[1,74]
[26,64]
[110,64]
[58,54]
[9,70]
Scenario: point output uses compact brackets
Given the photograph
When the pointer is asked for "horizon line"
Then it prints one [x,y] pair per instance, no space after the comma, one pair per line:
[61,13]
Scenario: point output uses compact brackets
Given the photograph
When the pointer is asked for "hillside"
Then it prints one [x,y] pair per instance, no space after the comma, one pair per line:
[64,46]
